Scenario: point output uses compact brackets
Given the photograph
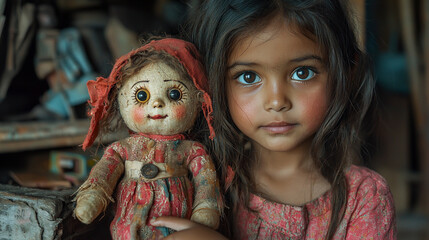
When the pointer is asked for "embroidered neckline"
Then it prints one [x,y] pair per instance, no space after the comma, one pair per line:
[158,137]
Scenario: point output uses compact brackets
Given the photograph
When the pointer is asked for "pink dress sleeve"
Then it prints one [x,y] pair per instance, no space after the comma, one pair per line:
[374,214]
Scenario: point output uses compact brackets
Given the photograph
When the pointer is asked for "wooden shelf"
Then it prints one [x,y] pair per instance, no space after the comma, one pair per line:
[23,136]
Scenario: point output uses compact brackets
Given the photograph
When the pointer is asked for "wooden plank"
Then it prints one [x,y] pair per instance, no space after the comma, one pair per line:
[16,137]
[359,10]
[413,63]
[31,213]
[40,130]
[425,30]
[418,98]
[419,81]
[34,144]
[424,162]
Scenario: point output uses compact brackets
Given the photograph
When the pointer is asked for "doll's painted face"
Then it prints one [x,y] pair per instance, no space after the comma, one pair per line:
[157,100]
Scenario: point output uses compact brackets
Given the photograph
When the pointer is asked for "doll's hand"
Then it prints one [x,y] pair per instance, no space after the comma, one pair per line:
[88,206]
[186,229]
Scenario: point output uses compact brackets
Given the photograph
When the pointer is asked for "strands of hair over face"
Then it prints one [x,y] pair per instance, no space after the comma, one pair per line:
[220,24]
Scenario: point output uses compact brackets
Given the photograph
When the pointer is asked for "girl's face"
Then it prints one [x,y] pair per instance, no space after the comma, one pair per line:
[157,100]
[277,87]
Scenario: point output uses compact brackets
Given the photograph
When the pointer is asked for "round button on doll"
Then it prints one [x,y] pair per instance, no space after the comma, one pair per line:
[158,91]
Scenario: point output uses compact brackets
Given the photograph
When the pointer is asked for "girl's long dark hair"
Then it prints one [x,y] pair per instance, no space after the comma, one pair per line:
[219,24]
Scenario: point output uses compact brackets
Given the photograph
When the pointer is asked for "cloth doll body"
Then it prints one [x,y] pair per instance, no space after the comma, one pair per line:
[155,171]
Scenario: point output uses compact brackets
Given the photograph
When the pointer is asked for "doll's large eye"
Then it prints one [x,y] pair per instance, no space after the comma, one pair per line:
[175,94]
[142,95]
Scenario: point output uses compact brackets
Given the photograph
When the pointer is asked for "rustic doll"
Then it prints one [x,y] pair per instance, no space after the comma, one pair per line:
[159,89]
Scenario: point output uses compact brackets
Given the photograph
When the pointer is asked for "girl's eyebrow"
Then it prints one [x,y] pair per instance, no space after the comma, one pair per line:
[295,60]
[241,64]
[307,57]
[168,80]
[139,82]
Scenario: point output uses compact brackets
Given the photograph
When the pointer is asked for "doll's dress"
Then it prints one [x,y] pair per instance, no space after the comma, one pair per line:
[141,196]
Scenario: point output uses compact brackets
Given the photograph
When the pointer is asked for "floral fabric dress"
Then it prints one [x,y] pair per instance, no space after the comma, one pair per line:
[140,197]
[370,213]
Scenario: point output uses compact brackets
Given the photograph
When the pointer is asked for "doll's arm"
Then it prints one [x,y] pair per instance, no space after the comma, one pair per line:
[95,193]
[207,203]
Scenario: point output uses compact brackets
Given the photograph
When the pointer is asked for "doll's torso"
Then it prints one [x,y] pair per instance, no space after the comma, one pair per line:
[163,188]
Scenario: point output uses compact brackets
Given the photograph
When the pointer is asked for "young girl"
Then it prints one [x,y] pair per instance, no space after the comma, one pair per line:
[291,92]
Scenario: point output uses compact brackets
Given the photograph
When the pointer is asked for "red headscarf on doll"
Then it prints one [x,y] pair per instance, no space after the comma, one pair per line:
[184,51]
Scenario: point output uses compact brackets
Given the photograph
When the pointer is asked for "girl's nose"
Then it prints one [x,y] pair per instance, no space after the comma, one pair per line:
[276,97]
[158,103]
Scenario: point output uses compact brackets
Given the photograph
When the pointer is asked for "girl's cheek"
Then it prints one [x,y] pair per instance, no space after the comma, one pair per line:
[137,115]
[316,108]
[180,112]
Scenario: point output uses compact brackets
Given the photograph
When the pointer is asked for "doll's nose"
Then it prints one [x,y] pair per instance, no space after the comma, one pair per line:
[158,103]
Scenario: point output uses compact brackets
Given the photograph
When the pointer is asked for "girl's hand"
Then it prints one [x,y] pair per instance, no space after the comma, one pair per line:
[186,229]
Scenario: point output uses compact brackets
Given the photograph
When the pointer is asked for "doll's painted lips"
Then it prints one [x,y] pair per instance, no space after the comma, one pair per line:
[158,117]
[278,127]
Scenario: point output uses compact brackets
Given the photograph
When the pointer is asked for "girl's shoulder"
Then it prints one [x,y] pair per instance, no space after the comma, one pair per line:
[370,211]
[365,184]
[358,175]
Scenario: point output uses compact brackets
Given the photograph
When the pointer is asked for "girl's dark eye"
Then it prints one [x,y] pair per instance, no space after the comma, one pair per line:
[303,74]
[248,78]
[175,94]
[142,95]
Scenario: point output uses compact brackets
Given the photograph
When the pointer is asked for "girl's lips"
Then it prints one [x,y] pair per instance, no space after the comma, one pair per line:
[278,127]
[158,117]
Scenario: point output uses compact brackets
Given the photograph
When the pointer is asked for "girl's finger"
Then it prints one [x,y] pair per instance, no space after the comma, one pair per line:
[174,223]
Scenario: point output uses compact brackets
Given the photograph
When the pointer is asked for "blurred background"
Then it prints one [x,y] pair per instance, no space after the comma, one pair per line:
[49,49]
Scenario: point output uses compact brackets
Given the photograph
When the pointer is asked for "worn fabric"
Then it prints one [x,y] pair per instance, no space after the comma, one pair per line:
[139,200]
[369,214]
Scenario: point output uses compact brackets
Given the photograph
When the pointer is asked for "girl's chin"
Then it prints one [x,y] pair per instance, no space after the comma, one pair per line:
[277,146]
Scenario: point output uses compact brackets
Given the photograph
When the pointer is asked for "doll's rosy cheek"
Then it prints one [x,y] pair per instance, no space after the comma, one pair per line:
[180,112]
[138,115]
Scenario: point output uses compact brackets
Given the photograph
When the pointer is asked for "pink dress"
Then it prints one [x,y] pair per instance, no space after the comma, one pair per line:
[370,213]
